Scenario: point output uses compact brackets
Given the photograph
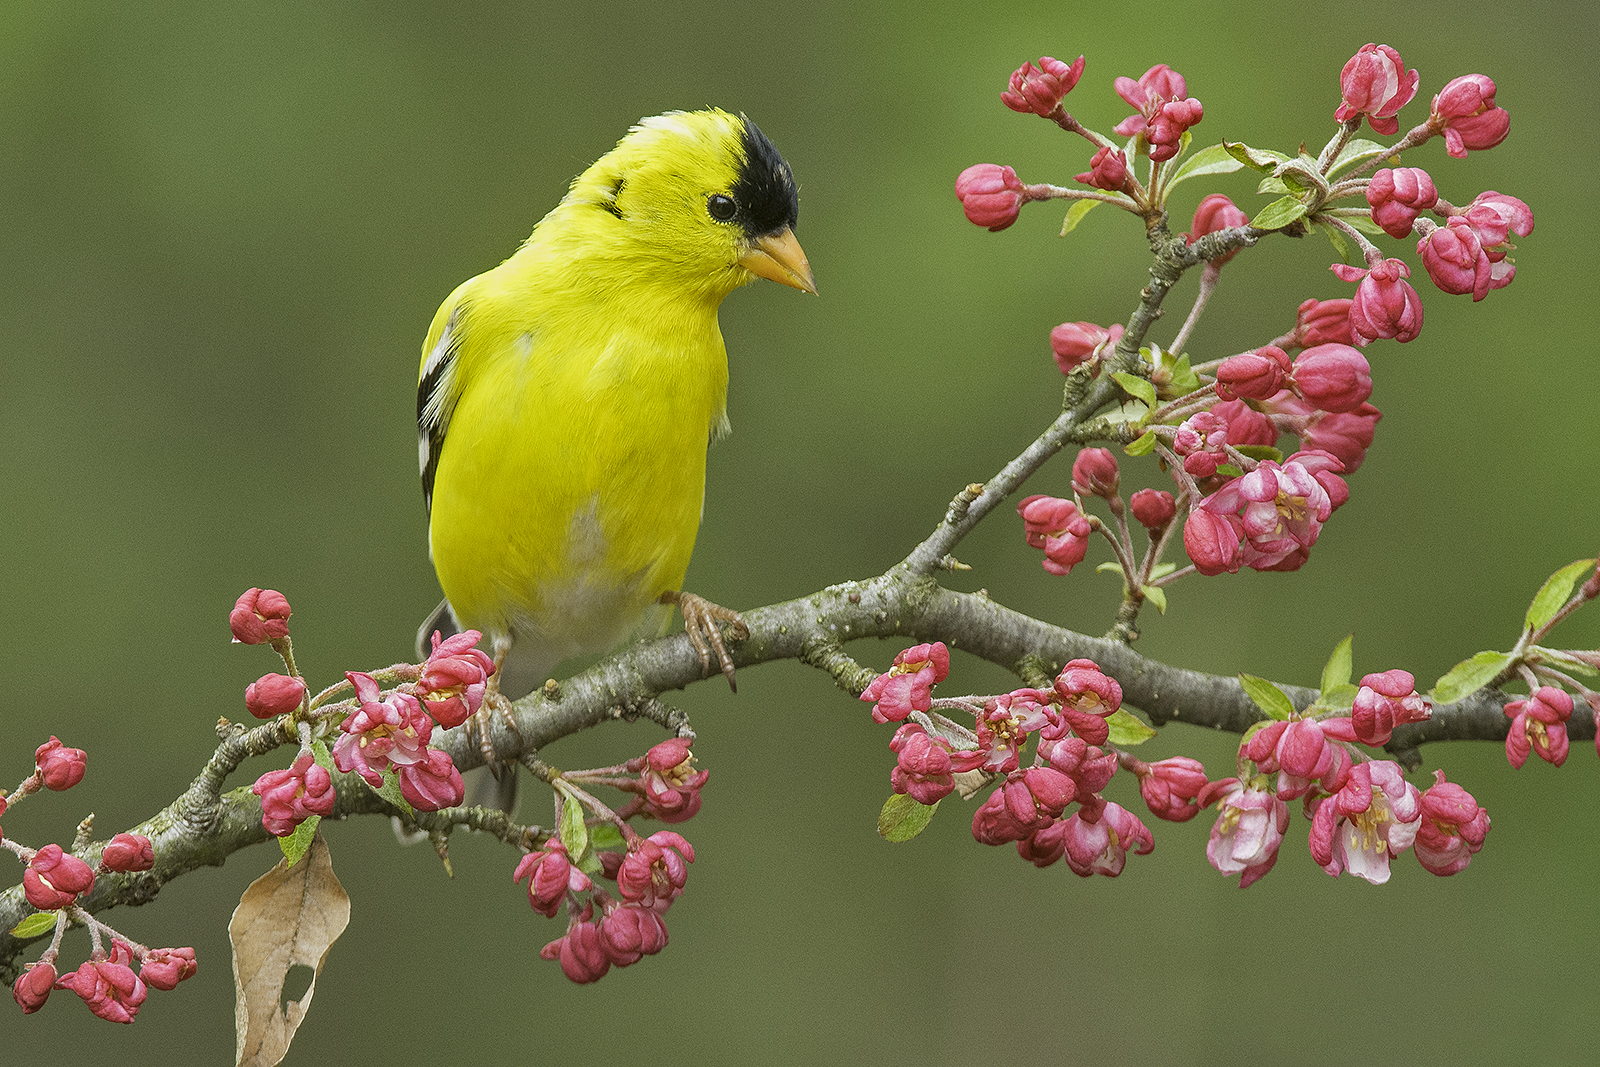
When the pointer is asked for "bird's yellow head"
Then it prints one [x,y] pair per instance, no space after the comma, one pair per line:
[701,196]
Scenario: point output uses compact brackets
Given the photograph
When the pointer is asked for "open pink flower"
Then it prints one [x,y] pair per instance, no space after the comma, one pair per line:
[1452,829]
[1366,824]
[1281,508]
[669,783]
[1375,83]
[1539,724]
[381,732]
[1088,697]
[455,678]
[108,985]
[908,685]
[1248,831]
[1467,114]
[1164,109]
[654,871]
[1097,842]
[1058,527]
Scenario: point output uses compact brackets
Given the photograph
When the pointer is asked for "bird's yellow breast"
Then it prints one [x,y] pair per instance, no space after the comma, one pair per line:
[570,488]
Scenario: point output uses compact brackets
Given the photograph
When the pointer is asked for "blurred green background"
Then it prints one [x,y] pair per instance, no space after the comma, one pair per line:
[226,228]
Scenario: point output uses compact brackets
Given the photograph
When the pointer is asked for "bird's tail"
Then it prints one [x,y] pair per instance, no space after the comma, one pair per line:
[441,619]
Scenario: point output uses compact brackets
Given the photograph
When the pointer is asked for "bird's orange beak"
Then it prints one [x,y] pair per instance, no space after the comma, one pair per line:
[778,257]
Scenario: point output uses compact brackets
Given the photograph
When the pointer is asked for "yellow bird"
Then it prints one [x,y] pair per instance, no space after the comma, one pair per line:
[567,397]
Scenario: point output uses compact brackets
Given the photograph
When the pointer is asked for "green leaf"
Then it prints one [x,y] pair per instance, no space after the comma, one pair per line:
[1364,223]
[1145,445]
[1563,660]
[1228,470]
[1127,729]
[1161,570]
[1263,159]
[1468,676]
[1213,160]
[1554,593]
[1278,214]
[1338,697]
[35,925]
[1272,186]
[1337,670]
[1076,212]
[1109,567]
[605,835]
[1260,452]
[1268,697]
[1182,377]
[1336,237]
[903,818]
[1357,151]
[1156,595]
[390,791]
[298,843]
[574,834]
[1136,386]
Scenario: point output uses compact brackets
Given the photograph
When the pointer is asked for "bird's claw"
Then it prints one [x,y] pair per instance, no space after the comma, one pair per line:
[700,621]
[479,732]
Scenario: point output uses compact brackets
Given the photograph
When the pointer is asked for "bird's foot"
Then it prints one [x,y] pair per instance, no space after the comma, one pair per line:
[700,619]
[479,730]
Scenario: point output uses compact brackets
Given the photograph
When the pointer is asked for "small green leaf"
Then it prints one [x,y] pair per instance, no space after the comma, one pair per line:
[1364,223]
[1255,728]
[1272,187]
[1357,151]
[1268,697]
[605,835]
[1161,570]
[1554,593]
[1263,159]
[1076,212]
[1338,697]
[298,843]
[1260,452]
[1127,729]
[1564,660]
[1109,567]
[1228,470]
[1337,671]
[1468,676]
[1145,445]
[1212,160]
[35,925]
[1278,214]
[1136,386]
[1156,595]
[390,791]
[1183,378]
[903,818]
[574,834]
[1336,237]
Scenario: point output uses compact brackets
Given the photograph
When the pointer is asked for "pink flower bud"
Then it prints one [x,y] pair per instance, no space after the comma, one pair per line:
[1217,212]
[272,695]
[1246,425]
[1494,217]
[432,782]
[923,771]
[908,685]
[32,987]
[1385,305]
[653,872]
[1040,91]
[1539,724]
[629,933]
[108,987]
[582,952]
[1079,342]
[1321,321]
[991,195]
[1256,375]
[59,767]
[1154,508]
[1333,377]
[1344,435]
[261,615]
[1170,787]
[1165,110]
[1094,473]
[669,783]
[164,968]
[1107,170]
[1452,830]
[53,878]
[1397,196]
[290,797]
[1212,541]
[1465,110]
[455,678]
[1376,84]
[1455,260]
[551,876]
[128,852]
[1058,527]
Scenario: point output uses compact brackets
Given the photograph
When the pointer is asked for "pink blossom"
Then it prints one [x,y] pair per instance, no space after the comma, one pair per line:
[1325,467]
[164,968]
[551,876]
[1257,375]
[1216,212]
[1303,756]
[1040,90]
[1375,83]
[59,767]
[1539,724]
[1094,473]
[1212,541]
[128,852]
[272,695]
[1246,425]
[54,878]
[108,985]
[1003,729]
[1333,377]
[1058,527]
[455,678]
[1154,508]
[1281,509]
[1397,196]
[1367,823]
[1385,701]
[1099,845]
[654,870]
[1088,696]
[380,733]
[1200,440]
[1108,170]
[32,987]
[1090,768]
[1344,435]
[923,770]
[669,783]
[1452,829]
[908,685]
[1321,321]
[1043,847]
[432,782]
[991,195]
[1074,343]
[629,933]
[581,951]
[1467,114]
[1385,305]
[289,798]
[259,616]
[1495,217]
[1164,110]
[995,823]
[1249,828]
[1170,787]
[1456,261]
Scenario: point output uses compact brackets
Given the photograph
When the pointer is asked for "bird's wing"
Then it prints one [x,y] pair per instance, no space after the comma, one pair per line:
[438,388]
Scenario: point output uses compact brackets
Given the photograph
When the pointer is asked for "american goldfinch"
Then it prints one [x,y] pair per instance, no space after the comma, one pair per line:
[567,397]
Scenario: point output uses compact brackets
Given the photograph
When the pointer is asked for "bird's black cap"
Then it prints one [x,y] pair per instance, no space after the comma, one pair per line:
[765,192]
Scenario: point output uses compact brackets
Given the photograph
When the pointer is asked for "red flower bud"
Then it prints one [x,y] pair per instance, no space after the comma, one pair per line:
[261,615]
[272,695]
[60,767]
[164,968]
[128,852]
[32,989]
[1040,91]
[55,878]
[1333,377]
[1257,375]
[1154,508]
[1375,83]
[1094,473]
[991,195]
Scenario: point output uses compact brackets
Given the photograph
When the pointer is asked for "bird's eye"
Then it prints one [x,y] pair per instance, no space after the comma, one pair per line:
[722,207]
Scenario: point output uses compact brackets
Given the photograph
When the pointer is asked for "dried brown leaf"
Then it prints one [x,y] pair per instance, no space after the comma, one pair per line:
[289,917]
